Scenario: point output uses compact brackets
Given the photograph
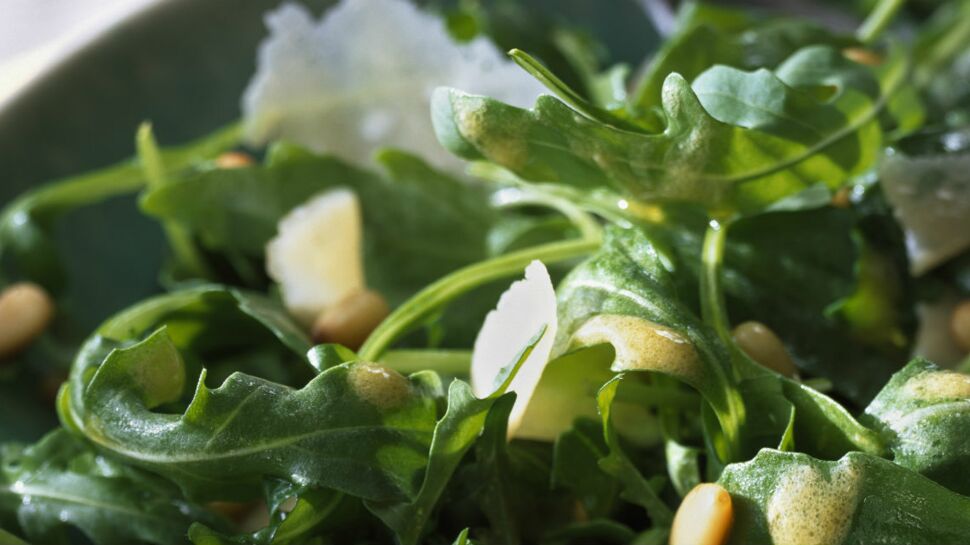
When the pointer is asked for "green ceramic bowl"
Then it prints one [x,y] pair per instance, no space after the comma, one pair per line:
[182,64]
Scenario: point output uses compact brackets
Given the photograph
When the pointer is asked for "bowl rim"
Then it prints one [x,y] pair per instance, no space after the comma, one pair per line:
[87,40]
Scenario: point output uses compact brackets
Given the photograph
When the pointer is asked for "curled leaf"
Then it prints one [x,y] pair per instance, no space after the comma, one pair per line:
[788,498]
[923,411]
[737,141]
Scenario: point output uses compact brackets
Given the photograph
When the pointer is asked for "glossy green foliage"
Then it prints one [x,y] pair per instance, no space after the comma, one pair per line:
[454,434]
[214,393]
[205,320]
[735,140]
[62,482]
[232,437]
[627,277]
[754,407]
[796,287]
[783,497]
[924,412]
[221,443]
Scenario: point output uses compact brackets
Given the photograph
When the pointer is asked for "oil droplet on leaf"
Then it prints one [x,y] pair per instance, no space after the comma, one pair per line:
[380,386]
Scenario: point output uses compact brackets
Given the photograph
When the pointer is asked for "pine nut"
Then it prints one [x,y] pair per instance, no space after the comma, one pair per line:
[234,159]
[960,325]
[25,311]
[841,198]
[862,56]
[761,344]
[704,517]
[351,320]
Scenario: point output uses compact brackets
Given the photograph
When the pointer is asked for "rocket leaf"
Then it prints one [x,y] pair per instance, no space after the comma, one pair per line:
[922,411]
[793,498]
[61,481]
[735,141]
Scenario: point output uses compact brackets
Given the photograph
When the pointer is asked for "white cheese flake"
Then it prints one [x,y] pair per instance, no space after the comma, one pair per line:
[523,309]
[931,199]
[361,78]
[316,256]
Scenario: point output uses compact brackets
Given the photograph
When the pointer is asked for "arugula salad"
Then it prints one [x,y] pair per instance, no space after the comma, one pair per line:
[424,292]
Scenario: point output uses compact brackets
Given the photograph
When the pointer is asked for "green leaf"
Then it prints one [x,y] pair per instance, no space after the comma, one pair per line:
[462,538]
[924,412]
[187,261]
[231,438]
[731,37]
[566,391]
[200,320]
[576,467]
[871,311]
[222,443]
[419,224]
[454,434]
[769,414]
[940,58]
[9,539]
[62,482]
[600,531]
[625,295]
[793,287]
[635,487]
[565,93]
[784,140]
[271,314]
[792,498]
[497,496]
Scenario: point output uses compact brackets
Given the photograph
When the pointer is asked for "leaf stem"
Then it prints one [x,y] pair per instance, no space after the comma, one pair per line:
[446,362]
[434,296]
[714,313]
[565,93]
[153,165]
[878,20]
[584,222]
[713,307]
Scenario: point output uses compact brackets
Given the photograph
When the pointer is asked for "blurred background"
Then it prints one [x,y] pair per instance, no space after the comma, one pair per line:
[35,34]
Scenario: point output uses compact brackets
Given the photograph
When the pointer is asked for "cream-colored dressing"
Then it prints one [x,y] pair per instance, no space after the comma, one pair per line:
[380,386]
[808,508]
